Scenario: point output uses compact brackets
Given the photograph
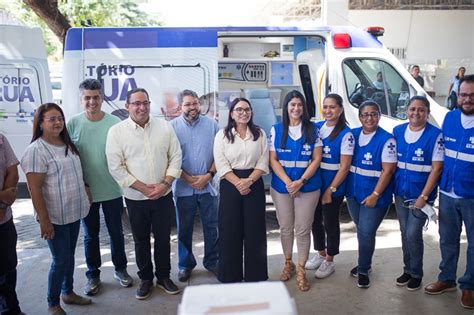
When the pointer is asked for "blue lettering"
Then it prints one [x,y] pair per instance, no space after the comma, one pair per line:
[6,95]
[26,94]
[114,90]
[128,84]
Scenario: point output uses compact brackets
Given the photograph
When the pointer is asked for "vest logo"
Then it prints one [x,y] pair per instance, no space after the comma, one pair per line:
[419,152]
[306,148]
[449,139]
[470,145]
[327,152]
[368,159]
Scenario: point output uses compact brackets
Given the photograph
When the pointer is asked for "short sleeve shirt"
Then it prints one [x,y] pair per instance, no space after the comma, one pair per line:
[7,159]
[63,187]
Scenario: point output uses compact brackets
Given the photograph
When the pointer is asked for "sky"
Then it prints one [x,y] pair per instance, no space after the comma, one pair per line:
[207,12]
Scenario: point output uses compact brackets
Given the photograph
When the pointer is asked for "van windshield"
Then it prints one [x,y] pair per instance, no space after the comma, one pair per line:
[376,80]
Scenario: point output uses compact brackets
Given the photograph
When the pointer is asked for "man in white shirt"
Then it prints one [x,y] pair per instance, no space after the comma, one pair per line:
[144,157]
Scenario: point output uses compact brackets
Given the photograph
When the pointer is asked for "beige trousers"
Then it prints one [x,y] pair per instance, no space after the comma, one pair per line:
[295,216]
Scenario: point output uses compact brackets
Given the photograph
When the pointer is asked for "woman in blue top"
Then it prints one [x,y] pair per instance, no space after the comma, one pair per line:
[338,148]
[295,155]
[420,163]
[369,184]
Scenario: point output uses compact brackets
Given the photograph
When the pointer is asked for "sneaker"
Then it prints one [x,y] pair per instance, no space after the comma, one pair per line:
[92,286]
[355,274]
[168,286]
[403,279]
[414,284]
[325,270]
[144,289]
[123,278]
[314,262]
[363,281]
[184,275]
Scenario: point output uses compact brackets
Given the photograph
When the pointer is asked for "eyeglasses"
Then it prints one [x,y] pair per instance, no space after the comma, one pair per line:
[367,115]
[54,119]
[240,110]
[138,104]
[466,95]
[191,104]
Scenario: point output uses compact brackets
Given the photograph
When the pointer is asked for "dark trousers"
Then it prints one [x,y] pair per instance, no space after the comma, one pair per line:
[112,210]
[152,216]
[326,230]
[8,299]
[242,232]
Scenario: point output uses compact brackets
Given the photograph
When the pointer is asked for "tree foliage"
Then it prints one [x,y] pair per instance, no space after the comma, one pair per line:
[55,17]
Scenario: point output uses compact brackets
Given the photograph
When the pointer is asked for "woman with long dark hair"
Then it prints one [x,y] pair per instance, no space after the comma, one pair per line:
[295,155]
[338,149]
[420,164]
[54,174]
[369,184]
[241,158]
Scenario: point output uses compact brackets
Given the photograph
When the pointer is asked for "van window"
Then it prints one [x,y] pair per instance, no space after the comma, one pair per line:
[19,91]
[376,80]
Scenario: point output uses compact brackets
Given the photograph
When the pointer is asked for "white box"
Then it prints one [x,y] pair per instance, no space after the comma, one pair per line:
[237,298]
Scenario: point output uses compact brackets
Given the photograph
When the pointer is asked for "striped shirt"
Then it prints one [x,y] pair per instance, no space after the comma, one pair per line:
[63,187]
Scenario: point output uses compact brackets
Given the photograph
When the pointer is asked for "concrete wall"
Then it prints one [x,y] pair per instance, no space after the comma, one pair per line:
[439,41]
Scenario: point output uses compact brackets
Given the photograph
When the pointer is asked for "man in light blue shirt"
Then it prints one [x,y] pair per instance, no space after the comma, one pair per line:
[194,189]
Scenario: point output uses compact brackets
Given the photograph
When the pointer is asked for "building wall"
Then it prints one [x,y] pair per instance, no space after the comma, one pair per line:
[440,41]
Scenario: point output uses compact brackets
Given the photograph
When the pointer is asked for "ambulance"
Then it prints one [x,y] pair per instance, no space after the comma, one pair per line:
[259,63]
[24,84]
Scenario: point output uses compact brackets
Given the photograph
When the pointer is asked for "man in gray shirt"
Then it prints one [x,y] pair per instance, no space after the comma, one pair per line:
[194,190]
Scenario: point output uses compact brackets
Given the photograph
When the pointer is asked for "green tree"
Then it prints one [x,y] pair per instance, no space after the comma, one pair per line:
[55,17]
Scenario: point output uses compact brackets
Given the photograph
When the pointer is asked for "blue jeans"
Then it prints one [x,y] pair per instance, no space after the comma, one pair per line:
[113,210]
[186,208]
[367,221]
[452,213]
[411,228]
[61,272]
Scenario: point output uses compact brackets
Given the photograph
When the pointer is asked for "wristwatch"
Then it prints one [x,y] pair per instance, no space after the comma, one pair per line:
[212,173]
[424,197]
[332,189]
[304,180]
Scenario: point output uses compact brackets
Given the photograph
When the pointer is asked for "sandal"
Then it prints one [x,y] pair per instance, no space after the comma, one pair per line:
[303,284]
[288,270]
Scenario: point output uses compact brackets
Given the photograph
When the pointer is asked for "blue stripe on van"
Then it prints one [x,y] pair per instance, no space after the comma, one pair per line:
[105,38]
[152,37]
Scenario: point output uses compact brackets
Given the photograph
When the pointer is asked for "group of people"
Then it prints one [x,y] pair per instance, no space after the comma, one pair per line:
[165,169]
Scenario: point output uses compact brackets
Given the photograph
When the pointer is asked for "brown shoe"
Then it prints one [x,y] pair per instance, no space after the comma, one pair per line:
[467,299]
[288,270]
[73,298]
[439,287]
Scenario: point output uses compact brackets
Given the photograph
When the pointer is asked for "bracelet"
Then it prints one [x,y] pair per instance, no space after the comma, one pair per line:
[164,182]
[251,179]
[376,194]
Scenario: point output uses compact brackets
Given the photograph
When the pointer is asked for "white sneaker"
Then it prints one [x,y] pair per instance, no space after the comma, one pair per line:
[314,262]
[325,270]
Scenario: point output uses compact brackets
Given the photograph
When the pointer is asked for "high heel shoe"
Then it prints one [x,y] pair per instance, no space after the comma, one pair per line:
[288,270]
[303,284]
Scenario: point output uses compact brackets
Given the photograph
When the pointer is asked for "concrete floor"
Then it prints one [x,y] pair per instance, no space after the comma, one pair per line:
[337,294]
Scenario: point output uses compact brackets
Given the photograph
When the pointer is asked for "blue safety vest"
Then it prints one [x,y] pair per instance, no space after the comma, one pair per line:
[414,162]
[331,159]
[458,170]
[295,158]
[366,168]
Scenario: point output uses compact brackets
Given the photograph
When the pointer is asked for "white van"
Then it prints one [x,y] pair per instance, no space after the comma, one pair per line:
[24,84]
[259,63]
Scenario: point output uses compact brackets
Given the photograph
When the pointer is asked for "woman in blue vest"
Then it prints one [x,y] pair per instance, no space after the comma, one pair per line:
[295,155]
[369,184]
[338,148]
[420,163]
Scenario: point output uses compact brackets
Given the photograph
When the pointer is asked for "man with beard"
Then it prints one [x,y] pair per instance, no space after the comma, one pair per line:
[456,203]
[194,189]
